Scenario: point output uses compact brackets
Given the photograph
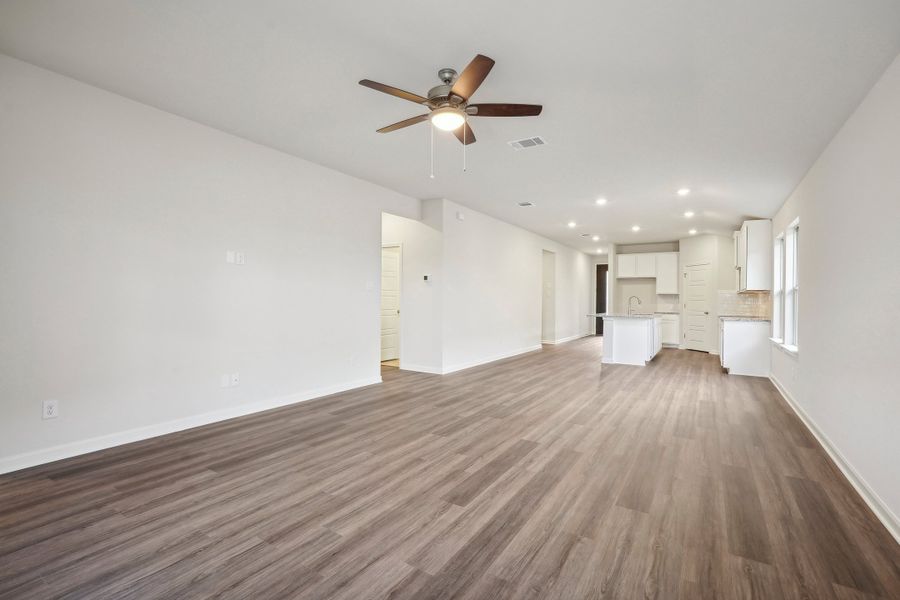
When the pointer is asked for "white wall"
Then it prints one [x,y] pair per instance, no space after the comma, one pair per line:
[116,298]
[845,380]
[644,288]
[642,248]
[420,300]
[492,288]
[548,299]
[573,292]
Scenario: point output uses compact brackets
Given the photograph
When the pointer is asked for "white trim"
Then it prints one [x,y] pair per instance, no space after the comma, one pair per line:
[54,453]
[398,245]
[571,338]
[878,506]
[482,361]
[786,348]
[421,369]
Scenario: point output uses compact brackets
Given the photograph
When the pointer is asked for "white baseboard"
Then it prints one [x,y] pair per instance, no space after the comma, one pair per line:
[420,368]
[54,453]
[577,336]
[881,510]
[488,359]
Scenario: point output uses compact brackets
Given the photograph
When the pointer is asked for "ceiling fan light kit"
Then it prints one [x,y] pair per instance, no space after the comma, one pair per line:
[447,118]
[448,103]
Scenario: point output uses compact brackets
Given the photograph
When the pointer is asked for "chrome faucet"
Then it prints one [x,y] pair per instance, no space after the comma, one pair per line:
[630,308]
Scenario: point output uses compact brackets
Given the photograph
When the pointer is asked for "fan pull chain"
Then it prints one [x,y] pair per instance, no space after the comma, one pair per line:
[465,129]
[431,127]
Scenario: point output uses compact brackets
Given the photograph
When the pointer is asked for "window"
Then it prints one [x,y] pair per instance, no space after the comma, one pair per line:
[778,291]
[791,286]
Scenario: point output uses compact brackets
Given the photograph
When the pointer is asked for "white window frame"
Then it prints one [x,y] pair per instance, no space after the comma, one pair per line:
[792,287]
[778,291]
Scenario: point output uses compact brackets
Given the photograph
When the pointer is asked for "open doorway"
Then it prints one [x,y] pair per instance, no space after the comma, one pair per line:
[602,294]
[390,305]
[548,298]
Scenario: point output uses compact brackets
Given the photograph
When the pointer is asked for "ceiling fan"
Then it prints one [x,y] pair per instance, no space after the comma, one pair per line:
[448,103]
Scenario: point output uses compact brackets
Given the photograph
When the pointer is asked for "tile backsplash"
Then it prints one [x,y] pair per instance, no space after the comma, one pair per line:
[667,303]
[754,304]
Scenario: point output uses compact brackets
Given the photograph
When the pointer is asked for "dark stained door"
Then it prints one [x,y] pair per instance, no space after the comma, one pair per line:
[602,271]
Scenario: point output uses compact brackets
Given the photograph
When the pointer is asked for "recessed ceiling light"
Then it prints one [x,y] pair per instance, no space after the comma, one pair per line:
[600,201]
[684,191]
[599,250]
[693,232]
[596,238]
[572,223]
[689,214]
[636,228]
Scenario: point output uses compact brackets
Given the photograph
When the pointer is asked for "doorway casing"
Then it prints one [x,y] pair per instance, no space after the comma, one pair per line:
[391,277]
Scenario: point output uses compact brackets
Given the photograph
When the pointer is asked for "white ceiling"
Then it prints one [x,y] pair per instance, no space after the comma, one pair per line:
[730,98]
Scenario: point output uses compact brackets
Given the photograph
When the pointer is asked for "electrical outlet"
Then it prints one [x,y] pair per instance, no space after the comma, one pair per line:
[51,409]
[235,379]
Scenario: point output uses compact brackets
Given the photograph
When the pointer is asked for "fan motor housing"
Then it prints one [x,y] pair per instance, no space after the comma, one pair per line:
[439,94]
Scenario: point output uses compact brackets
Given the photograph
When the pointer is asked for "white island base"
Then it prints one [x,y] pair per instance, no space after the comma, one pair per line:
[630,339]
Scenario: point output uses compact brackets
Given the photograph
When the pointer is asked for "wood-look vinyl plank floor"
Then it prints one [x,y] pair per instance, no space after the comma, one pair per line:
[544,476]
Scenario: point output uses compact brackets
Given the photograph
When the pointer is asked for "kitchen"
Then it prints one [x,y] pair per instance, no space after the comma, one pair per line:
[709,293]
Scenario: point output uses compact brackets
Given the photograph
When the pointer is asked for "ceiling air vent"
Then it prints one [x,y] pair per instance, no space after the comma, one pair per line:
[528,143]
[525,204]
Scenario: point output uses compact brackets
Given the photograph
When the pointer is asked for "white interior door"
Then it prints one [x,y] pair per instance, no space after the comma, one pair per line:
[390,302]
[697,287]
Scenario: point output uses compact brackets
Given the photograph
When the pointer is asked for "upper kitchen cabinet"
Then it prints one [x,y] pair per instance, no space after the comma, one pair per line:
[635,265]
[667,273]
[646,265]
[626,265]
[753,256]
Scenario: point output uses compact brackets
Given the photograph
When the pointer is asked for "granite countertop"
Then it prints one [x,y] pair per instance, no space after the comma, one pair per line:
[728,318]
[622,316]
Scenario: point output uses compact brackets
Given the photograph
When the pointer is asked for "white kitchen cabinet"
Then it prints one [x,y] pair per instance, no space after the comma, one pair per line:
[670,329]
[636,265]
[667,273]
[744,347]
[626,265]
[754,256]
[646,265]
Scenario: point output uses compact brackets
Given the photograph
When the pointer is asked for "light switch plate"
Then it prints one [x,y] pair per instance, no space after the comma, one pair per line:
[238,258]
[229,257]
[235,379]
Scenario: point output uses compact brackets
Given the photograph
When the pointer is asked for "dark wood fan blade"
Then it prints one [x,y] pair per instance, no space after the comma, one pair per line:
[464,134]
[504,110]
[404,123]
[472,76]
[387,89]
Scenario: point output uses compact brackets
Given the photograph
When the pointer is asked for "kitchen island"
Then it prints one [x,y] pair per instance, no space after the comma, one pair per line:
[630,339]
